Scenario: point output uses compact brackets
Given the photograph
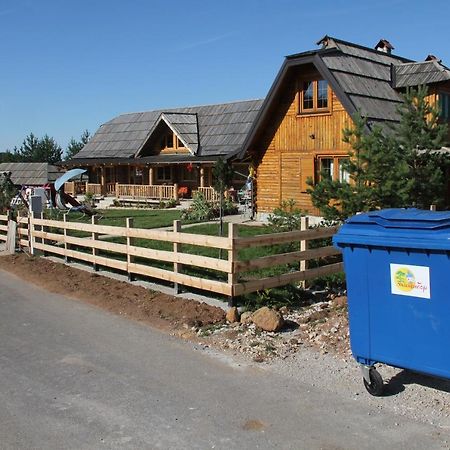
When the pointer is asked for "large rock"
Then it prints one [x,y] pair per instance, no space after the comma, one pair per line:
[246,317]
[268,319]
[233,315]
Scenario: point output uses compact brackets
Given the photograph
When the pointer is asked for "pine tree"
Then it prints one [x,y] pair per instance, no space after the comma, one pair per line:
[389,168]
[34,149]
[75,146]
[222,178]
[418,134]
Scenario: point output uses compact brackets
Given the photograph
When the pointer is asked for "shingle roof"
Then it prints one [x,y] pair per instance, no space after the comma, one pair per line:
[364,75]
[416,73]
[31,174]
[221,130]
[361,77]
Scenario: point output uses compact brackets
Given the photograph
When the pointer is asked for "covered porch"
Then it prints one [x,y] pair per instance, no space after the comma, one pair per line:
[144,180]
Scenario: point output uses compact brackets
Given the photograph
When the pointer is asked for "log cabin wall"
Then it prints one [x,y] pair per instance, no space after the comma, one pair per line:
[434,99]
[293,143]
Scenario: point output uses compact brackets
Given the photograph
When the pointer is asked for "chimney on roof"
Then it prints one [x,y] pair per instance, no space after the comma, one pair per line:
[326,42]
[432,58]
[384,46]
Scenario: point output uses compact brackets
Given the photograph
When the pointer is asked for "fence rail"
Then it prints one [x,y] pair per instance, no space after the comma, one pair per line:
[180,261]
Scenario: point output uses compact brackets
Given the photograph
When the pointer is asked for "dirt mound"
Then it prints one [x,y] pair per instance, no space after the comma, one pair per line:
[119,297]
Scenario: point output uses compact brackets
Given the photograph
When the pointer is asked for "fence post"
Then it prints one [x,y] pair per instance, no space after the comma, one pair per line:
[130,242]
[31,232]
[304,224]
[66,258]
[19,234]
[94,237]
[117,190]
[175,192]
[232,257]
[43,230]
[176,248]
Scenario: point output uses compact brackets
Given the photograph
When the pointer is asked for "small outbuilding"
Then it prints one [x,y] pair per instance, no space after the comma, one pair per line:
[31,174]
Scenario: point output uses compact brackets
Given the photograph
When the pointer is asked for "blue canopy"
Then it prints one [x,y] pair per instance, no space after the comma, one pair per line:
[68,176]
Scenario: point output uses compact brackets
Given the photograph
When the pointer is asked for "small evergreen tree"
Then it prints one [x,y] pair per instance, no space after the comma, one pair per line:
[418,134]
[388,169]
[222,179]
[75,146]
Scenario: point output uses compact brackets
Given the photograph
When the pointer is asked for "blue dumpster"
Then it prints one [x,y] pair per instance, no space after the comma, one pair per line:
[397,265]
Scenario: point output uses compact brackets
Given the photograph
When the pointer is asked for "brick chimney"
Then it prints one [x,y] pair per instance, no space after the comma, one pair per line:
[384,46]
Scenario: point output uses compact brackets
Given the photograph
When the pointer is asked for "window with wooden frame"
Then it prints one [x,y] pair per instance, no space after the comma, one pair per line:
[332,167]
[444,106]
[170,141]
[164,173]
[314,97]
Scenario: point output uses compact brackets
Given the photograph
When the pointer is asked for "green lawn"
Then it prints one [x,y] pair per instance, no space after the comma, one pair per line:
[151,218]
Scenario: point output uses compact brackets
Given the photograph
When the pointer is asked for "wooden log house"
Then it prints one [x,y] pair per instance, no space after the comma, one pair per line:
[167,153]
[292,135]
[298,132]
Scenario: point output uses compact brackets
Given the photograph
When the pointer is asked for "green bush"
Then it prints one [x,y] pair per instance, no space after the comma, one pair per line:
[287,217]
[199,210]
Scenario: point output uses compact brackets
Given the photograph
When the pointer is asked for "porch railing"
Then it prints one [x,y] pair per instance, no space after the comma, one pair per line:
[92,188]
[209,193]
[162,192]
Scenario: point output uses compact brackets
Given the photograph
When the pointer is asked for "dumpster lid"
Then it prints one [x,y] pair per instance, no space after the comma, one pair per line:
[410,218]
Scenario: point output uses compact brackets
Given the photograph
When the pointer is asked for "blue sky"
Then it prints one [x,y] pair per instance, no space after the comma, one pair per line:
[70,65]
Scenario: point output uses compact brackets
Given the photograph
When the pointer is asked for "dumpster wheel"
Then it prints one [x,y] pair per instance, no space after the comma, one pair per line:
[376,386]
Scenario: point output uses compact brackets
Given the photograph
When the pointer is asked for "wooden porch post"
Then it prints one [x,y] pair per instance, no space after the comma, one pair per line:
[151,176]
[102,180]
[202,176]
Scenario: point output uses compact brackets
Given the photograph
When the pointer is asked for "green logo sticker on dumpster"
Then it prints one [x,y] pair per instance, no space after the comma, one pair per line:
[413,281]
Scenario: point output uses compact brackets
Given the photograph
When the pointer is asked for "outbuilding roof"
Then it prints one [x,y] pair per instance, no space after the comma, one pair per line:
[424,72]
[31,174]
[211,130]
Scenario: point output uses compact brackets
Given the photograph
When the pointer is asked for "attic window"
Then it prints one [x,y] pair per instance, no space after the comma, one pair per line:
[170,141]
[314,96]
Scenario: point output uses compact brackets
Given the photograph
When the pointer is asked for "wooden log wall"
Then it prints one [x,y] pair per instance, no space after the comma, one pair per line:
[287,154]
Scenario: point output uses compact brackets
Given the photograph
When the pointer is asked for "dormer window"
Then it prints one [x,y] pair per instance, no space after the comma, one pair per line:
[314,97]
[170,141]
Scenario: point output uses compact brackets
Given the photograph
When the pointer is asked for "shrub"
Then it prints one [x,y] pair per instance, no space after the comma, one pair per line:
[200,209]
[286,217]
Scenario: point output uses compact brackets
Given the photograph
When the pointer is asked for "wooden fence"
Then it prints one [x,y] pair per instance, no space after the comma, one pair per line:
[179,258]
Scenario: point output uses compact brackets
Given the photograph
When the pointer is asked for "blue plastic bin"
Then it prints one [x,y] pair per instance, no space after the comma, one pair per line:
[397,265]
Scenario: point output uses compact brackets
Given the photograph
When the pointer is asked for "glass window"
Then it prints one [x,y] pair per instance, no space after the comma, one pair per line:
[179,144]
[308,95]
[170,140]
[322,94]
[343,174]
[327,167]
[444,106]
[164,173]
